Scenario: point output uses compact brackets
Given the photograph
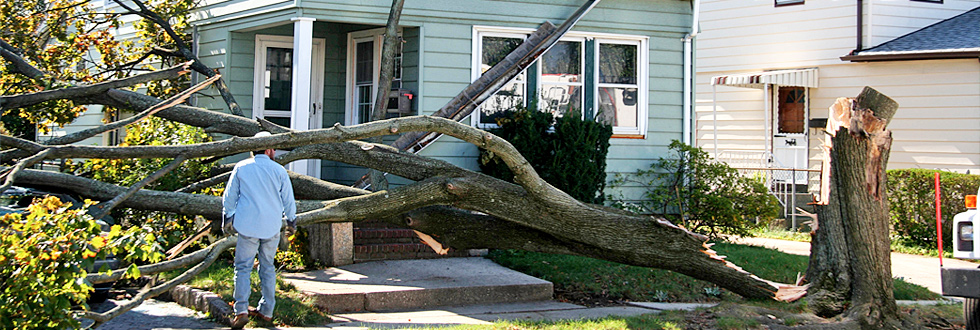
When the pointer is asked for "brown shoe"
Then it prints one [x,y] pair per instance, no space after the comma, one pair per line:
[253,312]
[239,321]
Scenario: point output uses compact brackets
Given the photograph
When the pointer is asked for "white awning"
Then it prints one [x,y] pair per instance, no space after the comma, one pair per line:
[800,78]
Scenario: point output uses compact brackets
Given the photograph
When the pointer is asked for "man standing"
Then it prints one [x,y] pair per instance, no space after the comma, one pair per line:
[258,196]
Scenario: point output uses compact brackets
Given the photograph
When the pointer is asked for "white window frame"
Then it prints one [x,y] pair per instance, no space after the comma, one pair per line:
[477,70]
[642,79]
[350,108]
[580,84]
[643,65]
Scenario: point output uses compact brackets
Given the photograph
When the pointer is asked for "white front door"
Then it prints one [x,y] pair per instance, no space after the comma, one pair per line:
[272,93]
[790,143]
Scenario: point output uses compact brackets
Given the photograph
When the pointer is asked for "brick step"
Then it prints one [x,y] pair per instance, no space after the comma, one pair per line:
[384,236]
[374,233]
[373,252]
[372,224]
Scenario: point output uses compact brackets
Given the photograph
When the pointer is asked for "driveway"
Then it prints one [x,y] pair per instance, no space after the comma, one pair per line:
[915,269]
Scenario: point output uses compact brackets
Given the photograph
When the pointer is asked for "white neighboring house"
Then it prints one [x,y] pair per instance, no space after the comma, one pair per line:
[768,70]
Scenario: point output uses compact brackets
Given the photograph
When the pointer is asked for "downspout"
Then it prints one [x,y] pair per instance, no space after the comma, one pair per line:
[688,79]
[860,26]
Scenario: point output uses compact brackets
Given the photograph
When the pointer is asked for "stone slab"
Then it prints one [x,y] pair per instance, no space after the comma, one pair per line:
[416,284]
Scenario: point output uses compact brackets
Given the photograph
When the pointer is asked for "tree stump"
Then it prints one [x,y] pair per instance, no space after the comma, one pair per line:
[850,257]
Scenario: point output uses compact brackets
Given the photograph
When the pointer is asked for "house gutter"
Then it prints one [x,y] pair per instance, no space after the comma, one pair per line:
[688,105]
[912,56]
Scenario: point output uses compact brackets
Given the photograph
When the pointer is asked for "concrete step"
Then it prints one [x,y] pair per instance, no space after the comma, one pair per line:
[394,285]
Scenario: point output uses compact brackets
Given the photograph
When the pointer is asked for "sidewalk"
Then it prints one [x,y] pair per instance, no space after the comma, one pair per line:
[914,269]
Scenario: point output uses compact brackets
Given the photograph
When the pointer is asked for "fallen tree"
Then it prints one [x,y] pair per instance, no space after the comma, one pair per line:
[458,207]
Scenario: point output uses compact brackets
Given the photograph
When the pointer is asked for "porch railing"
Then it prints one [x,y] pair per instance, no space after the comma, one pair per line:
[785,183]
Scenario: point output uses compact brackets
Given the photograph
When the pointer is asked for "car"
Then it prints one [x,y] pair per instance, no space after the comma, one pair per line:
[16,199]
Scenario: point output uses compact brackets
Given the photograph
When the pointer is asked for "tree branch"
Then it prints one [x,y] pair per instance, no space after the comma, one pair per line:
[26,100]
[106,207]
[145,294]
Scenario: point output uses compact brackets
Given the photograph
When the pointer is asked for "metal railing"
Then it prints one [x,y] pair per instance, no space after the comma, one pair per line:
[781,181]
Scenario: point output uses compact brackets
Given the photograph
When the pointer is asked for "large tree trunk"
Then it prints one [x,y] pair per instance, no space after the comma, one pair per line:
[850,264]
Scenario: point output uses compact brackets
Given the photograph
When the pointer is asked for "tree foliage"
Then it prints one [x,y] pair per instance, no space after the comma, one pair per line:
[45,255]
[701,194]
[912,206]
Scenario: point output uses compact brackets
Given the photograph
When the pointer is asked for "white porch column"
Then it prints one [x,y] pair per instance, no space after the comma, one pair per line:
[302,81]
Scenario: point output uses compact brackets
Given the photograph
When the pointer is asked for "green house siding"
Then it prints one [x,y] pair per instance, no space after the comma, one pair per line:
[438,58]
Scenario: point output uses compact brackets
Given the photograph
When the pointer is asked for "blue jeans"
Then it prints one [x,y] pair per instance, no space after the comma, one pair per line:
[246,251]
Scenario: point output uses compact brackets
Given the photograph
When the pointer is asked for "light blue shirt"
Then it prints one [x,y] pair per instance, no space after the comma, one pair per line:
[259,195]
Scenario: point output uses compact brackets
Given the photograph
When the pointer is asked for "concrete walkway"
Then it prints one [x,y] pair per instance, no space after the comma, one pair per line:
[914,269]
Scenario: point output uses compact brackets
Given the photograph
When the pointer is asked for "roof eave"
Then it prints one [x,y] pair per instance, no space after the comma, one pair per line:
[912,56]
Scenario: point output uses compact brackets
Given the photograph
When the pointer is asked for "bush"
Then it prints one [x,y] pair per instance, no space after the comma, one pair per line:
[702,195]
[912,206]
[572,157]
[44,256]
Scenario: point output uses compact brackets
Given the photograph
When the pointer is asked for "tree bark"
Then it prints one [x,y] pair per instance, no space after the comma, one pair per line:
[850,264]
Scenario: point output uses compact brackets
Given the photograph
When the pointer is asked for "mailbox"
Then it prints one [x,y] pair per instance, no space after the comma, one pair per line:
[399,103]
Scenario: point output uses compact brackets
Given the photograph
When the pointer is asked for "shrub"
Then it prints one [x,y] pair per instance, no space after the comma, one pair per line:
[700,194]
[912,206]
[571,157]
[44,256]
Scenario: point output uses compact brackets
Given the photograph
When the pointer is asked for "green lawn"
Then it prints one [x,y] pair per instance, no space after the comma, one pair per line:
[577,277]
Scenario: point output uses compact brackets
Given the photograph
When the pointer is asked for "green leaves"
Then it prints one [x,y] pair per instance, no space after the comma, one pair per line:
[701,194]
[44,257]
[567,152]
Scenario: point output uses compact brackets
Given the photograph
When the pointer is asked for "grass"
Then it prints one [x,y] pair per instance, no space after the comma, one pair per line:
[292,307]
[897,245]
[668,320]
[576,278]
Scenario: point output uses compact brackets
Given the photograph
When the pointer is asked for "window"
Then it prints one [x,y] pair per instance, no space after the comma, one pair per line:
[364,63]
[791,114]
[560,82]
[597,75]
[788,2]
[618,84]
[493,49]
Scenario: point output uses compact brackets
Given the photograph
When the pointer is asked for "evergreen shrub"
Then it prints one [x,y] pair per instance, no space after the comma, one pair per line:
[567,152]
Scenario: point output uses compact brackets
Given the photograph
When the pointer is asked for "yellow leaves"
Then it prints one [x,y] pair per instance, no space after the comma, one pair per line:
[98,242]
[88,254]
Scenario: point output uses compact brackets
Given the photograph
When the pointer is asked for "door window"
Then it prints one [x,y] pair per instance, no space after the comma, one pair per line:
[791,113]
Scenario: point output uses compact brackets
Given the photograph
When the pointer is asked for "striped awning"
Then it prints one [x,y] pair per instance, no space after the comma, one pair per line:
[800,78]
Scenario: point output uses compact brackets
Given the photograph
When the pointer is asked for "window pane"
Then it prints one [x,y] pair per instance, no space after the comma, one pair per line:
[508,97]
[495,49]
[792,110]
[511,95]
[278,78]
[281,121]
[365,62]
[562,63]
[559,99]
[618,106]
[617,64]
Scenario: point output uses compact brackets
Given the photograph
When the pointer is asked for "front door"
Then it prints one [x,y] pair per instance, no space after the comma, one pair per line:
[272,93]
[790,127]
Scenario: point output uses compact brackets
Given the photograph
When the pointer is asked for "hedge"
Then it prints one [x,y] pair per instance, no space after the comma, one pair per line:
[567,152]
[911,195]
